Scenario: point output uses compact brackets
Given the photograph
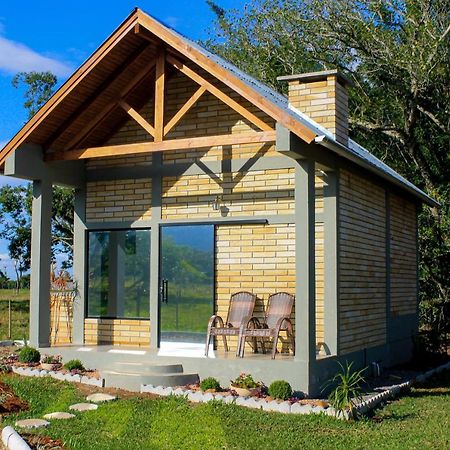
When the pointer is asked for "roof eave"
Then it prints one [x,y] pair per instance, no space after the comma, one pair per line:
[342,150]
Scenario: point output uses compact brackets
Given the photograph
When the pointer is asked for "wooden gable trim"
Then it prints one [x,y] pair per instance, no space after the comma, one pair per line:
[137,117]
[171,144]
[79,75]
[223,75]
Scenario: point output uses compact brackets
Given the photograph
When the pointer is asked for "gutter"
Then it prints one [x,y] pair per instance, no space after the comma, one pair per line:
[343,151]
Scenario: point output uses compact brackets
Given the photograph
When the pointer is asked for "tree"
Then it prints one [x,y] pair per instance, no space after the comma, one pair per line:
[396,52]
[39,88]
[15,202]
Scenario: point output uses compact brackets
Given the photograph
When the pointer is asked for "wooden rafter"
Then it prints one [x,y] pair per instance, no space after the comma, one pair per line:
[137,117]
[109,81]
[172,144]
[87,130]
[184,109]
[219,94]
[160,79]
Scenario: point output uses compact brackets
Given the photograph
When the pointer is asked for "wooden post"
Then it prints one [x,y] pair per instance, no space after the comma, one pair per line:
[159,95]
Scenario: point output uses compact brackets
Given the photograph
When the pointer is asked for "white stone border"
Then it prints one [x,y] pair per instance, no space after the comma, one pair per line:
[13,440]
[294,408]
[34,372]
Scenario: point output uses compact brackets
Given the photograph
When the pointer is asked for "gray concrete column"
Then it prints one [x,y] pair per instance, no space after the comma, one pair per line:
[305,301]
[154,253]
[41,242]
[331,262]
[79,265]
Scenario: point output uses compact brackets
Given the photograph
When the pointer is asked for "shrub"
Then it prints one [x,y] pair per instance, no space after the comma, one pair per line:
[280,389]
[29,355]
[347,388]
[51,359]
[210,383]
[74,364]
[246,381]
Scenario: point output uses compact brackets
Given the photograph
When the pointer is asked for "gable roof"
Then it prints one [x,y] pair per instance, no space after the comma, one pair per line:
[123,49]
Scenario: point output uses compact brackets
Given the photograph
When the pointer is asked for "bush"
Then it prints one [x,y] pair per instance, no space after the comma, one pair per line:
[29,355]
[74,364]
[280,389]
[210,383]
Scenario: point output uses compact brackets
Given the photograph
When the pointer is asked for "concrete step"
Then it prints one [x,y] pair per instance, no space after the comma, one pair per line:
[145,367]
[132,381]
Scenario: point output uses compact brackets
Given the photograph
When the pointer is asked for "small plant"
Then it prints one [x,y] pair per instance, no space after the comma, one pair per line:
[347,388]
[210,383]
[29,355]
[74,364]
[245,381]
[51,359]
[280,389]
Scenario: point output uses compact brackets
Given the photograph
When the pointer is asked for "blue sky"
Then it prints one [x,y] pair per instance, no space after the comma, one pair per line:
[59,36]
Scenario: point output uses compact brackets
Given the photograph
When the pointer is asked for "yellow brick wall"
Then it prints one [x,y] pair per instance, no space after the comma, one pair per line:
[403,256]
[119,200]
[362,257]
[326,102]
[320,280]
[117,332]
[255,258]
[267,192]
[61,317]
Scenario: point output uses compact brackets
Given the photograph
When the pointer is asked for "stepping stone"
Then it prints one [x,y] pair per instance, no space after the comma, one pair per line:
[59,415]
[83,407]
[99,398]
[32,423]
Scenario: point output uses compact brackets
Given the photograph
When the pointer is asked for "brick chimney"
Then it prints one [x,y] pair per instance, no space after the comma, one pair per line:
[323,97]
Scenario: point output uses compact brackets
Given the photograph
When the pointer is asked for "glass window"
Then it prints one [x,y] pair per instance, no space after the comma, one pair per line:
[119,274]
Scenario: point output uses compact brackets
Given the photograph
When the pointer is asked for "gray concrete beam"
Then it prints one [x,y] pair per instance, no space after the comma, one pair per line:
[41,241]
[79,265]
[27,163]
[305,309]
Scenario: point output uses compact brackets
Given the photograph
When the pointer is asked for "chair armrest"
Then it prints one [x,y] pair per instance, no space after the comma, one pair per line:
[280,322]
[213,319]
[246,321]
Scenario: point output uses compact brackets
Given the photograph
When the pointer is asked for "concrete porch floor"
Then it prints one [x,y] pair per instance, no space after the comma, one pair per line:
[221,365]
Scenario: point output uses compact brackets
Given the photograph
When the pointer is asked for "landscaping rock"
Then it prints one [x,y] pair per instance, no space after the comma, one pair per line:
[59,416]
[83,407]
[32,423]
[100,397]
[207,397]
[298,408]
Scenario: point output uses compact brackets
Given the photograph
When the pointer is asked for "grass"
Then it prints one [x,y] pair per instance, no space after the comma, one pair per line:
[419,420]
[20,313]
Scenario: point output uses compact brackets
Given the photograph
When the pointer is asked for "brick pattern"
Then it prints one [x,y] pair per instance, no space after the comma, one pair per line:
[320,280]
[403,256]
[119,161]
[255,193]
[255,258]
[326,102]
[208,117]
[362,257]
[61,320]
[119,200]
[117,332]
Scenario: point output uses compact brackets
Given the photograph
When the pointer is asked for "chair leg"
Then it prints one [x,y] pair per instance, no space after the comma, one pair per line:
[241,346]
[255,345]
[275,342]
[225,344]
[208,339]
[263,345]
[291,334]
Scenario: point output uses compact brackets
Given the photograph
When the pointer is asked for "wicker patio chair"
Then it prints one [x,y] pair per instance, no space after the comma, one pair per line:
[241,307]
[276,319]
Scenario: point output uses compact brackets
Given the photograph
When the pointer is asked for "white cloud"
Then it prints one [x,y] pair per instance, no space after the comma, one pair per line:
[172,21]
[16,57]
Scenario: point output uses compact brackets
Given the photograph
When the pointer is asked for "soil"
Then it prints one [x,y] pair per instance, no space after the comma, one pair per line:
[10,402]
[37,442]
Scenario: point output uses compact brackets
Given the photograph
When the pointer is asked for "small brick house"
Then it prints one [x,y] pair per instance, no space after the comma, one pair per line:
[194,181]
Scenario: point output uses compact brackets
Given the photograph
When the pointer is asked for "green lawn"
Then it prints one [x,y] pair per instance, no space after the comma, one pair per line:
[20,310]
[417,421]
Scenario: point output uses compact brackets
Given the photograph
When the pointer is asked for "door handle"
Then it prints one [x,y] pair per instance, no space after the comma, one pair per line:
[163,289]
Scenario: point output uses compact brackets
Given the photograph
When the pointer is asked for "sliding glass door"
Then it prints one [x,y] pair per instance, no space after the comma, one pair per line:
[186,282]
[119,274]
